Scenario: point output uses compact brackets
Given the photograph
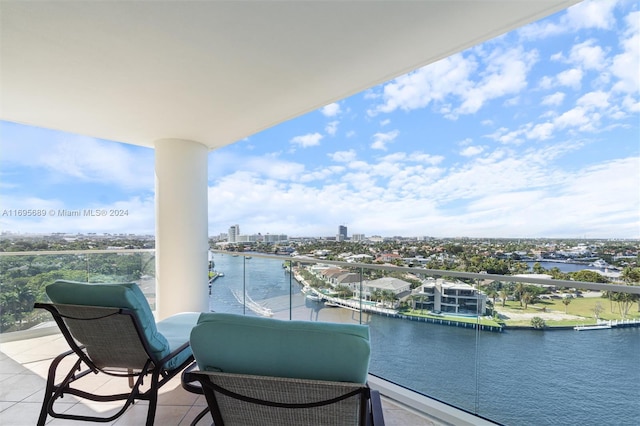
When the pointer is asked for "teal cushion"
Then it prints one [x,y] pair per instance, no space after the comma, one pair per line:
[121,295]
[270,347]
[176,330]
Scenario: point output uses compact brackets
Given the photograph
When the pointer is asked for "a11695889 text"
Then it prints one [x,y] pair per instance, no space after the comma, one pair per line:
[64,212]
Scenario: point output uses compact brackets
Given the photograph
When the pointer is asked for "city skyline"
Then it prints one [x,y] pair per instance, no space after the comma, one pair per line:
[532,134]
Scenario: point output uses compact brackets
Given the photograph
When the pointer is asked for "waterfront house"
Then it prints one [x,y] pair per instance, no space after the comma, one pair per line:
[440,295]
[399,288]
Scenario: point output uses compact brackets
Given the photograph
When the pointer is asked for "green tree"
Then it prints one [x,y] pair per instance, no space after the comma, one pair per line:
[538,268]
[538,323]
[566,302]
[588,276]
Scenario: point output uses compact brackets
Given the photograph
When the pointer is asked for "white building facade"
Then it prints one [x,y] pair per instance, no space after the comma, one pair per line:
[440,295]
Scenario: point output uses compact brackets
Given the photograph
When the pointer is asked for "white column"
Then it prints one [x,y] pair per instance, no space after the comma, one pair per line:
[181,227]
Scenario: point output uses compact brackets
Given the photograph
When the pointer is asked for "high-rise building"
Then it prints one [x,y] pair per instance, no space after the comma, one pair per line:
[234,231]
[342,233]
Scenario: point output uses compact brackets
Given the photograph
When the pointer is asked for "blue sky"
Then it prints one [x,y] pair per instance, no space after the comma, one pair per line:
[533,134]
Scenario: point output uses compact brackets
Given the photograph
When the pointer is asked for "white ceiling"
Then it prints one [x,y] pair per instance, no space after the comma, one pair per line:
[218,71]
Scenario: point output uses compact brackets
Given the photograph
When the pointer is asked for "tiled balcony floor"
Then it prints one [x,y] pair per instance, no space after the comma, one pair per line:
[23,370]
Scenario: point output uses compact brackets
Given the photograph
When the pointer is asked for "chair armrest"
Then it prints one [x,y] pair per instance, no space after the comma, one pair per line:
[189,381]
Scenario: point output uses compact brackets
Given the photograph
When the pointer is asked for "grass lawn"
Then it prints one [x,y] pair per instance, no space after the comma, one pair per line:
[582,306]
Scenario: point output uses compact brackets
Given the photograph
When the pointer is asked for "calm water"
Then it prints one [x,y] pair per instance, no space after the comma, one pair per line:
[562,266]
[516,378]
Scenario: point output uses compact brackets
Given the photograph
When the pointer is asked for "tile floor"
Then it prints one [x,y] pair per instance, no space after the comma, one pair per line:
[23,370]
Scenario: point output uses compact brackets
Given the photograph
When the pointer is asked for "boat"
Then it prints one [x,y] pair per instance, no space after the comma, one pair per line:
[331,304]
[592,327]
[314,297]
[599,264]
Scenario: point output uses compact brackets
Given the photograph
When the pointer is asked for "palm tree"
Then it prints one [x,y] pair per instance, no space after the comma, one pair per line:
[519,289]
[566,302]
[504,293]
[388,296]
[526,297]
[631,276]
[492,294]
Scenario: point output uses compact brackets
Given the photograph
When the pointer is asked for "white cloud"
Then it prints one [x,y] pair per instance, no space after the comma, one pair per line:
[90,160]
[321,175]
[332,127]
[541,131]
[505,74]
[587,55]
[598,99]
[546,82]
[449,86]
[626,65]
[381,140]
[571,77]
[305,141]
[472,151]
[554,99]
[331,110]
[430,83]
[591,14]
[343,156]
[75,158]
[588,14]
[576,117]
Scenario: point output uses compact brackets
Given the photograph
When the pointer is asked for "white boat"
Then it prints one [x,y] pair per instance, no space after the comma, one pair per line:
[592,327]
[599,264]
[331,304]
[314,297]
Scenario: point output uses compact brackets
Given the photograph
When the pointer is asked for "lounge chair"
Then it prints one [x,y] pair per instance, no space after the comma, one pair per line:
[263,371]
[110,329]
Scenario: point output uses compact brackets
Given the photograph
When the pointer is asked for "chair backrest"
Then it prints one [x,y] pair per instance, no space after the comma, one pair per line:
[270,347]
[88,312]
[273,372]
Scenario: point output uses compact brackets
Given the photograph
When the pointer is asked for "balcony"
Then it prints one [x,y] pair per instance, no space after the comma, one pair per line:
[23,372]
[430,368]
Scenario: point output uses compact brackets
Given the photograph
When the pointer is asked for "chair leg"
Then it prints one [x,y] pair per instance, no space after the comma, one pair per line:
[377,415]
[153,398]
[51,392]
[200,416]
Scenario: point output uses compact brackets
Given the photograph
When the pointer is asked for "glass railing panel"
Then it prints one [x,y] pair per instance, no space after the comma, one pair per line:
[24,276]
[442,343]
[543,371]
[491,362]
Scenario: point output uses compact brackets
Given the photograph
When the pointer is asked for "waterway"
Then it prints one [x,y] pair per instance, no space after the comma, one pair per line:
[517,377]
[563,266]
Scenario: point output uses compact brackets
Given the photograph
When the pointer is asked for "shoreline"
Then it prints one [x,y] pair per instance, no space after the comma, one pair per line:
[454,321]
